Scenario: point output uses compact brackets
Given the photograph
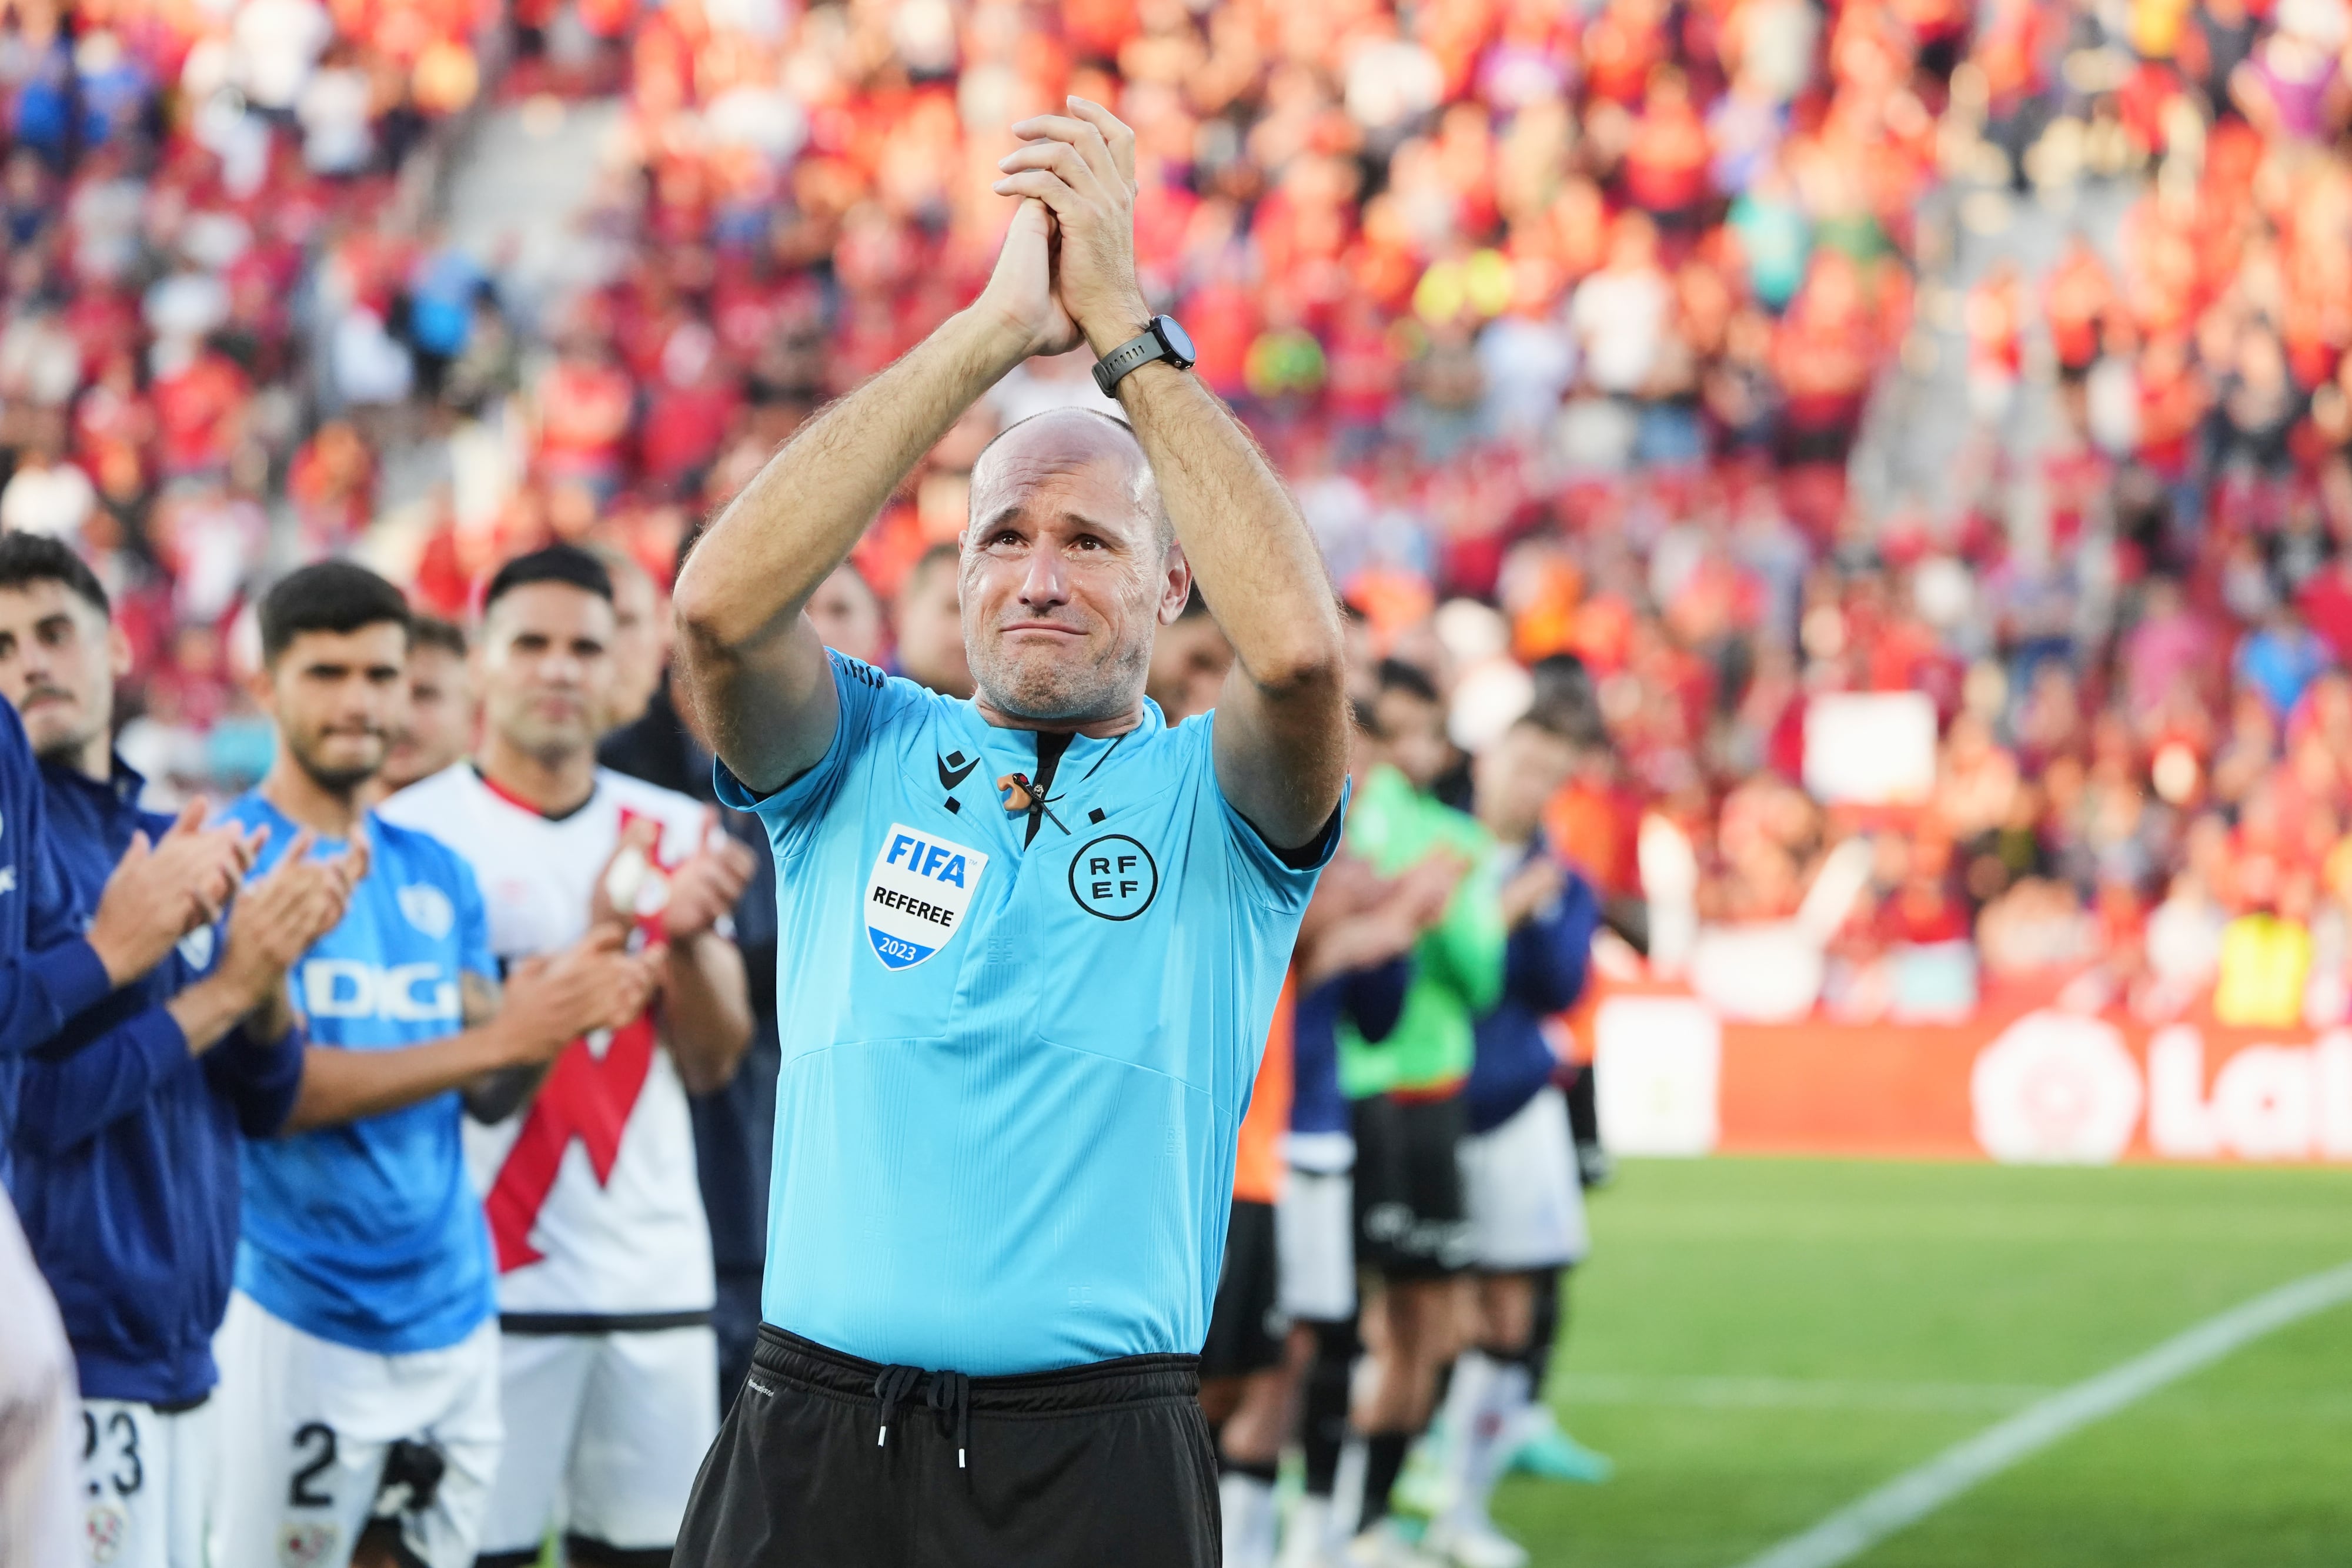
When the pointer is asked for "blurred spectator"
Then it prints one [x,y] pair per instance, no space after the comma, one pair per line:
[439,728]
[2280,658]
[1573,313]
[1189,661]
[641,634]
[47,495]
[847,616]
[929,625]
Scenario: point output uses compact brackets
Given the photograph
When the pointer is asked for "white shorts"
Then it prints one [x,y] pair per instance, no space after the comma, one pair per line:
[147,1480]
[611,1430]
[1315,1246]
[1520,1183]
[39,1522]
[308,1426]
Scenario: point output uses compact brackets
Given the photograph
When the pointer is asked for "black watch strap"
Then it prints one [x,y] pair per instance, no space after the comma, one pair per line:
[1138,350]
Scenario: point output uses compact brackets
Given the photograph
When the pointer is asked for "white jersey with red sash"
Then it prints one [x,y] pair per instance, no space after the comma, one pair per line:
[590,1192]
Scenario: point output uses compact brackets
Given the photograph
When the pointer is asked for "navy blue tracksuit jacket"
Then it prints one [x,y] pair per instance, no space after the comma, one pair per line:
[47,973]
[1544,971]
[127,1146]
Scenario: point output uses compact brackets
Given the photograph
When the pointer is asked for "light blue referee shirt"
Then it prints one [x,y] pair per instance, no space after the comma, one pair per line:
[1017,1047]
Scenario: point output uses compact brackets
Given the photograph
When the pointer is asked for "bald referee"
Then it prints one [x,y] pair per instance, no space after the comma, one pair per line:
[1031,941]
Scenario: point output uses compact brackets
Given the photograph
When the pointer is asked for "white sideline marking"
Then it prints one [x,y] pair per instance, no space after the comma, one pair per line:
[1910,1497]
[1793,1392]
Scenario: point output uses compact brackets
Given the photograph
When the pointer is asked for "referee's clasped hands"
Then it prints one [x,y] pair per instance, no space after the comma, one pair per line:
[1067,274]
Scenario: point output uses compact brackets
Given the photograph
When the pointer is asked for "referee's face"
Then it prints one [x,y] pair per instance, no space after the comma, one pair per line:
[1067,573]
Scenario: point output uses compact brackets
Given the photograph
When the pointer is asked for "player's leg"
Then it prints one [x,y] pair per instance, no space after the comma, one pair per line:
[1546,1235]
[191,1444]
[1387,1227]
[542,1383]
[1580,1095]
[1538,1445]
[1488,1390]
[649,1413]
[435,1485]
[1330,1349]
[1503,1186]
[1316,1245]
[300,1417]
[1547,1322]
[41,1518]
[1423,1258]
[1250,1445]
[128,1482]
[1401,1334]
[1383,1222]
[1244,1395]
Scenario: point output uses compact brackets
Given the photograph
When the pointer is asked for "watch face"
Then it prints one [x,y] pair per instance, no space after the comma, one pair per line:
[1175,336]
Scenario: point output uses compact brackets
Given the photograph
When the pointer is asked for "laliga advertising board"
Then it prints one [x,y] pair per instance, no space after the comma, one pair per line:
[2034,1086]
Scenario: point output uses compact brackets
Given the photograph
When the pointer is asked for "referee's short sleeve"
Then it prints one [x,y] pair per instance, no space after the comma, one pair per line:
[1284,879]
[869,701]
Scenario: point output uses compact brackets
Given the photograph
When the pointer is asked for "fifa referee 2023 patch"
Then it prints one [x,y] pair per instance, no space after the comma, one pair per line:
[916,900]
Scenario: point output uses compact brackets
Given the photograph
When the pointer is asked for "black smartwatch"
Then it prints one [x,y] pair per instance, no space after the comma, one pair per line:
[1163,340]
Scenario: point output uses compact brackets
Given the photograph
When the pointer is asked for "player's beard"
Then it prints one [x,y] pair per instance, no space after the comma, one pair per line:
[343,781]
[1061,690]
[64,750]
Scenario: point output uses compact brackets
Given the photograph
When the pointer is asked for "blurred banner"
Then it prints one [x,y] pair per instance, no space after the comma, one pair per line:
[1870,749]
[2024,1084]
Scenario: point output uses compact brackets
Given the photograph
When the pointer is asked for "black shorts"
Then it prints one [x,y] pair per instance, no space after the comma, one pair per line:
[1411,1219]
[1105,1463]
[1246,1327]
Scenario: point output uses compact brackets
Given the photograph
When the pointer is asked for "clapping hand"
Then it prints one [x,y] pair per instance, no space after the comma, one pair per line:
[1388,917]
[705,887]
[591,985]
[623,890]
[1536,887]
[160,891]
[279,915]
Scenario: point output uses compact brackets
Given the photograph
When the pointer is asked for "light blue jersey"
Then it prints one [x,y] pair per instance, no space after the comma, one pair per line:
[1016,1048]
[369,1235]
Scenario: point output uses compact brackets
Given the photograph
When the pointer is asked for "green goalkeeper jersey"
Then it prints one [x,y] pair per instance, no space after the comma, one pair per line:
[1457,965]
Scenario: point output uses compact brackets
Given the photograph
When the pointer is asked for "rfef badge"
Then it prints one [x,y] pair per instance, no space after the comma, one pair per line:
[918,894]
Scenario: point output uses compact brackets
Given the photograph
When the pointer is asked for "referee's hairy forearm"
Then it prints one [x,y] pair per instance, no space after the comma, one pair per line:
[801,516]
[751,665]
[1282,747]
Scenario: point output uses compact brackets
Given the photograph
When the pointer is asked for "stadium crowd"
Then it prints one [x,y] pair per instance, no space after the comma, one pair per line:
[1571,313]
[1563,323]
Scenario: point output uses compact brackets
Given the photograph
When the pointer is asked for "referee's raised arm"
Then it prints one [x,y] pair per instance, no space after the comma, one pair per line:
[752,661]
[1282,730]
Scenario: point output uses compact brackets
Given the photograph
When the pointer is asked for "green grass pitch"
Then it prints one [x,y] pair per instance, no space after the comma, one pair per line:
[1757,1343]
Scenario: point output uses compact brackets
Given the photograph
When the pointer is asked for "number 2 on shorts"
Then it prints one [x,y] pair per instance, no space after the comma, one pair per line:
[302,1494]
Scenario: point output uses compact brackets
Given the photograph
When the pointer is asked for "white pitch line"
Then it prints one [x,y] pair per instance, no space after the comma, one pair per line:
[1910,1497]
[1793,1392]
